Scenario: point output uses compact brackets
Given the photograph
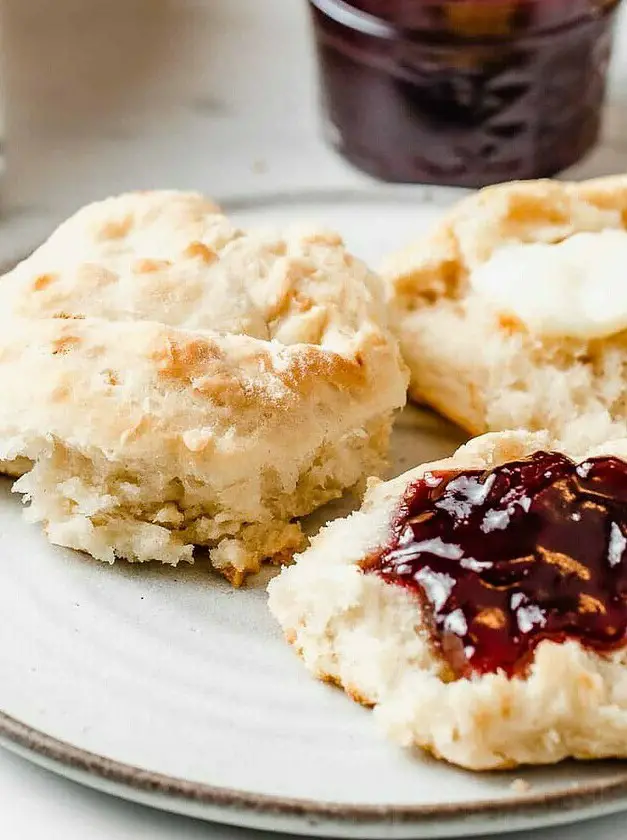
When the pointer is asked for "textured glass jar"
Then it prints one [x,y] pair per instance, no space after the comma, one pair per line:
[466,92]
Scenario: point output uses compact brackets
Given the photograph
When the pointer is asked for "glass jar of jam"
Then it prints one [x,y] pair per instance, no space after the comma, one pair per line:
[465,92]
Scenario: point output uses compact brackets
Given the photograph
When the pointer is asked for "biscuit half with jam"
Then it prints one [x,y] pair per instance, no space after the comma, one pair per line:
[478,603]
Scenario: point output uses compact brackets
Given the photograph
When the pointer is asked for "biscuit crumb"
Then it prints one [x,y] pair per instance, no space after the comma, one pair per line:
[520,786]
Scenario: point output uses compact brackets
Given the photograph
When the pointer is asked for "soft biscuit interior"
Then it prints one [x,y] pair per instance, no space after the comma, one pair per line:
[524,281]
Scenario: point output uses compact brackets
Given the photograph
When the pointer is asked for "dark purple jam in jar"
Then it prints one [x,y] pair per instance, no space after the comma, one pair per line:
[465,92]
[503,558]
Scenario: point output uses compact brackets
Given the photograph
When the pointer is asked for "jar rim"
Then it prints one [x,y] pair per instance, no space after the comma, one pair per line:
[342,12]
[367,23]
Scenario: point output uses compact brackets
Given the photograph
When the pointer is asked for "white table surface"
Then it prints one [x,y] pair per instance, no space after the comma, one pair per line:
[216,95]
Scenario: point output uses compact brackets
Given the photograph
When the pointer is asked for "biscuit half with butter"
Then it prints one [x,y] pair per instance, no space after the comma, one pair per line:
[478,603]
[171,381]
[512,311]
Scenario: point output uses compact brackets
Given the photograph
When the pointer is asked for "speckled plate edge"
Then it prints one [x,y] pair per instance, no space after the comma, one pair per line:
[303,816]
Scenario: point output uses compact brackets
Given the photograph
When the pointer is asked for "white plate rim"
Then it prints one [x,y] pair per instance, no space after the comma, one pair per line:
[308,816]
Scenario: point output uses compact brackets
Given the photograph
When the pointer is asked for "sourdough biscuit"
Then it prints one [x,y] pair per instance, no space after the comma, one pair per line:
[375,638]
[175,381]
[512,312]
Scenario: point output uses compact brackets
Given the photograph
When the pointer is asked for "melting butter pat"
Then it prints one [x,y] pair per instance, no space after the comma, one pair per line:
[575,288]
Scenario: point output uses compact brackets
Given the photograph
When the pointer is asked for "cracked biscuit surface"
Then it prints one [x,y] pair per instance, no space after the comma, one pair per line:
[540,343]
[175,381]
[374,638]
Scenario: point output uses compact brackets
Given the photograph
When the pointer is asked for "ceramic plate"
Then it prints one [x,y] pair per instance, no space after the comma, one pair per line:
[167,687]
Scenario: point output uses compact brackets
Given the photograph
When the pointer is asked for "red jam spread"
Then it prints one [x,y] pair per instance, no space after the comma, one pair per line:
[504,558]
[466,92]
